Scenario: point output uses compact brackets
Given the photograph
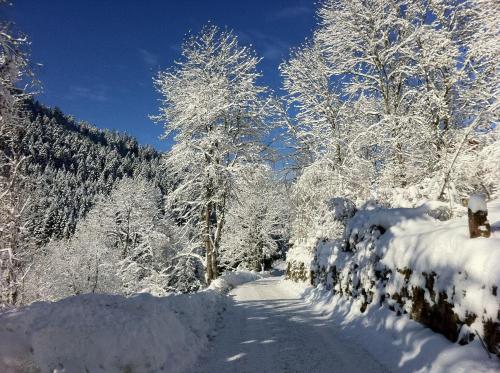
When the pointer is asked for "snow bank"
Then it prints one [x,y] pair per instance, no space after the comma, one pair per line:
[399,343]
[229,280]
[108,333]
[111,333]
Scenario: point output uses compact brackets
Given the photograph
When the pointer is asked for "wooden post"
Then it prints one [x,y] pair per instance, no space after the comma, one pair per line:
[478,216]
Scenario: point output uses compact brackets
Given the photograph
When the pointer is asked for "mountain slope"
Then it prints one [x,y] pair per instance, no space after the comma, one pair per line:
[69,163]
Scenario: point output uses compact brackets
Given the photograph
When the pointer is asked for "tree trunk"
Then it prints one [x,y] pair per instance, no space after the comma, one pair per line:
[214,270]
[208,245]
[217,237]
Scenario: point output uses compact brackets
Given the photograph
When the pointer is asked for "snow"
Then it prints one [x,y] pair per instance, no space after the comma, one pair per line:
[229,280]
[341,208]
[268,328]
[106,333]
[388,217]
[302,252]
[400,344]
[111,333]
[477,202]
[466,269]
[267,322]
[463,265]
[273,325]
[386,254]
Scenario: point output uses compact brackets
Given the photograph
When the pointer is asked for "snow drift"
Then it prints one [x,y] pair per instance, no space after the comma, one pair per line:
[111,333]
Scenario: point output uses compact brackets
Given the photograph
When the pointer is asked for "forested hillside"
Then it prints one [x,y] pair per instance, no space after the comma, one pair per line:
[68,163]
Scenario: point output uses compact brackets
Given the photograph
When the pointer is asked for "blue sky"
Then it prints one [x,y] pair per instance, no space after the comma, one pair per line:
[99,57]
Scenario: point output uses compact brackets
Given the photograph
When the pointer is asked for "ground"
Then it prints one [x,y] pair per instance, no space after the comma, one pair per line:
[269,328]
[265,324]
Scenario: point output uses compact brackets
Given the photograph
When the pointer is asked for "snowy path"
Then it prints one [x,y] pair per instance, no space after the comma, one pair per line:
[269,328]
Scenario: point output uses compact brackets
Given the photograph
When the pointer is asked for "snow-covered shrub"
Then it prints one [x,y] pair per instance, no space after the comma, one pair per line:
[143,269]
[83,264]
[319,217]
[185,273]
[311,193]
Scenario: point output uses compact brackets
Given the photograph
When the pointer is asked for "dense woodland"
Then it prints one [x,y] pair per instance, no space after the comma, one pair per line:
[387,103]
[70,163]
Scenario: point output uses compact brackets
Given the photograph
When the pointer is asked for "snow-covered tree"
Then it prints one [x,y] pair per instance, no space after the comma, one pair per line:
[13,199]
[371,49]
[257,220]
[132,209]
[396,90]
[216,112]
[83,264]
[120,247]
[465,91]
[327,128]
[69,164]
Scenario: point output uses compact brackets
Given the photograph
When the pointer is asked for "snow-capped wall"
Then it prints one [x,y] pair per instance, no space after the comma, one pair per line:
[418,265]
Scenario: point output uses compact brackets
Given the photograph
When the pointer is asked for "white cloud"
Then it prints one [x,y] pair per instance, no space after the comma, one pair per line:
[99,93]
[291,12]
[149,59]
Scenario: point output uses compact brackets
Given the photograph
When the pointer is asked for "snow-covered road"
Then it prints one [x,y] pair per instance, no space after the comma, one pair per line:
[268,328]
